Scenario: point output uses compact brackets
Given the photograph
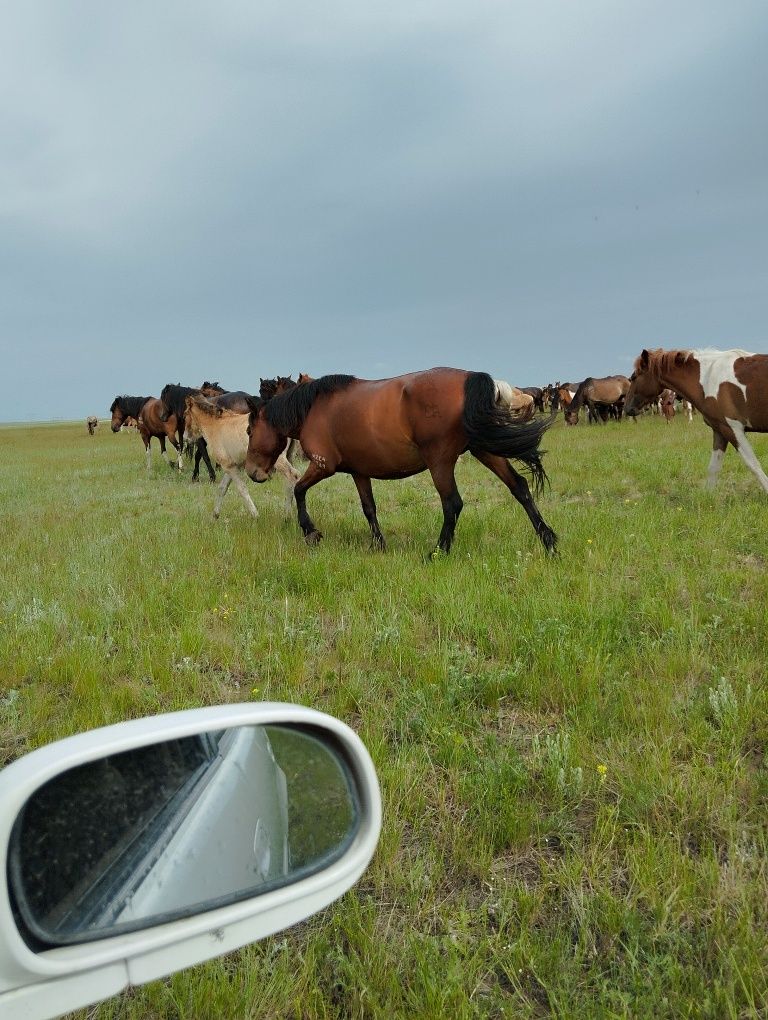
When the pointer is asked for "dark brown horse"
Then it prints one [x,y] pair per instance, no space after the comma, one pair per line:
[145,411]
[269,388]
[599,396]
[395,428]
[730,388]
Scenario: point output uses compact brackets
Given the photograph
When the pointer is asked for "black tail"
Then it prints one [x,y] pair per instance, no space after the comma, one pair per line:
[492,429]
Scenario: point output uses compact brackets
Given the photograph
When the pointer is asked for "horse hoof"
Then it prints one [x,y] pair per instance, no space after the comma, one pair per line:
[549,541]
[313,538]
[436,554]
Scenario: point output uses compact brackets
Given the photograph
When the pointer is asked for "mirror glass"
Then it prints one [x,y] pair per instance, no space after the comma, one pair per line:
[169,830]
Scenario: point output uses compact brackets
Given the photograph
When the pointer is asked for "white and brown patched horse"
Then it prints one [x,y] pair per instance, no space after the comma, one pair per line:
[730,388]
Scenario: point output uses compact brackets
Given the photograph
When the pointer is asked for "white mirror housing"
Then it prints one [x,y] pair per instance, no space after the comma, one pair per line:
[40,984]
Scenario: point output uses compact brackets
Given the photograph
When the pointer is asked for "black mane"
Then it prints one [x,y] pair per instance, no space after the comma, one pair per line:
[173,398]
[213,386]
[130,406]
[287,411]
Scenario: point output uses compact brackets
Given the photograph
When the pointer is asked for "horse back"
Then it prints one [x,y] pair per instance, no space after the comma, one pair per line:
[379,427]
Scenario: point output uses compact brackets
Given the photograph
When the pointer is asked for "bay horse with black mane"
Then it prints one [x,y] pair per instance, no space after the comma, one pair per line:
[730,388]
[599,395]
[145,412]
[395,428]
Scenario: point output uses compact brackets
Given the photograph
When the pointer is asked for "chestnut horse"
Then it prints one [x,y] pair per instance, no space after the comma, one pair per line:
[598,394]
[730,388]
[145,412]
[395,428]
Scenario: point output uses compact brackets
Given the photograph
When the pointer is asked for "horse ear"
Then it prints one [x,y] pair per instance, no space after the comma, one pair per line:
[253,403]
[681,357]
[644,360]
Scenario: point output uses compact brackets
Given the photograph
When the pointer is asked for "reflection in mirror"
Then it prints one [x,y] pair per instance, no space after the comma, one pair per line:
[169,830]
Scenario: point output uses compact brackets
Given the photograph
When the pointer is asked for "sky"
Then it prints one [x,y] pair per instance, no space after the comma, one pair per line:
[233,190]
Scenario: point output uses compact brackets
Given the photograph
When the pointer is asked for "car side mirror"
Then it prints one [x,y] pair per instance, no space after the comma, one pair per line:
[138,849]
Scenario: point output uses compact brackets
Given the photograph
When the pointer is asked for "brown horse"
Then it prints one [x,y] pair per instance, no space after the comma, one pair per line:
[730,388]
[667,404]
[599,395]
[93,423]
[395,428]
[269,388]
[144,410]
[561,395]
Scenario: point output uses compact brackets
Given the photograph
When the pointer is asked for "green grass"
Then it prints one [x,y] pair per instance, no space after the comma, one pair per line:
[572,750]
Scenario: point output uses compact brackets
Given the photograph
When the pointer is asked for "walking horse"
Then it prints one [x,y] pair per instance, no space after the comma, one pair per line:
[395,428]
[145,412]
[729,388]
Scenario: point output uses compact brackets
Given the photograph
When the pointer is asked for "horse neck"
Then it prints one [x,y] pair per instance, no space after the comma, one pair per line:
[578,398]
[682,379]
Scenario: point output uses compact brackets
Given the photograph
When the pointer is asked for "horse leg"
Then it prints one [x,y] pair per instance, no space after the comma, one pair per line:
[239,480]
[147,440]
[163,451]
[289,472]
[180,448]
[747,453]
[442,472]
[226,481]
[365,492]
[201,450]
[311,476]
[518,486]
[719,446]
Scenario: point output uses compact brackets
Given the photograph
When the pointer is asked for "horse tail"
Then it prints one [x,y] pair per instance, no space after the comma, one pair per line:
[492,429]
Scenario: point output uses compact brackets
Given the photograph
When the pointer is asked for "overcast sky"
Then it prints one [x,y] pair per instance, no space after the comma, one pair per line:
[231,190]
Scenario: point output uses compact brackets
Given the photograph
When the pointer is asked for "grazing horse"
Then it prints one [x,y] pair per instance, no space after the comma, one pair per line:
[730,388]
[395,428]
[606,392]
[144,411]
[93,423]
[226,435]
[172,398]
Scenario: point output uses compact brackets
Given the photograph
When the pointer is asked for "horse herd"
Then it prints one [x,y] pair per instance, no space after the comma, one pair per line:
[395,428]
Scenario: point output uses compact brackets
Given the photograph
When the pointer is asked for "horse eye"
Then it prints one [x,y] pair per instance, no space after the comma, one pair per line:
[248,431]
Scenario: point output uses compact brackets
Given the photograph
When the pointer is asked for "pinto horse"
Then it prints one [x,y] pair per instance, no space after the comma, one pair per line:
[730,388]
[395,428]
[145,412]
[598,395]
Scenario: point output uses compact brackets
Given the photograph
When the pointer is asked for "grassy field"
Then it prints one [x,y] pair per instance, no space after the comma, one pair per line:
[572,750]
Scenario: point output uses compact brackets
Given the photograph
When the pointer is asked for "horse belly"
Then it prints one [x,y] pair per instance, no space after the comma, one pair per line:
[383,460]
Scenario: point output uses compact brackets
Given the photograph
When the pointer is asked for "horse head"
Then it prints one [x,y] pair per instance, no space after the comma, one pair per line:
[645,386]
[265,443]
